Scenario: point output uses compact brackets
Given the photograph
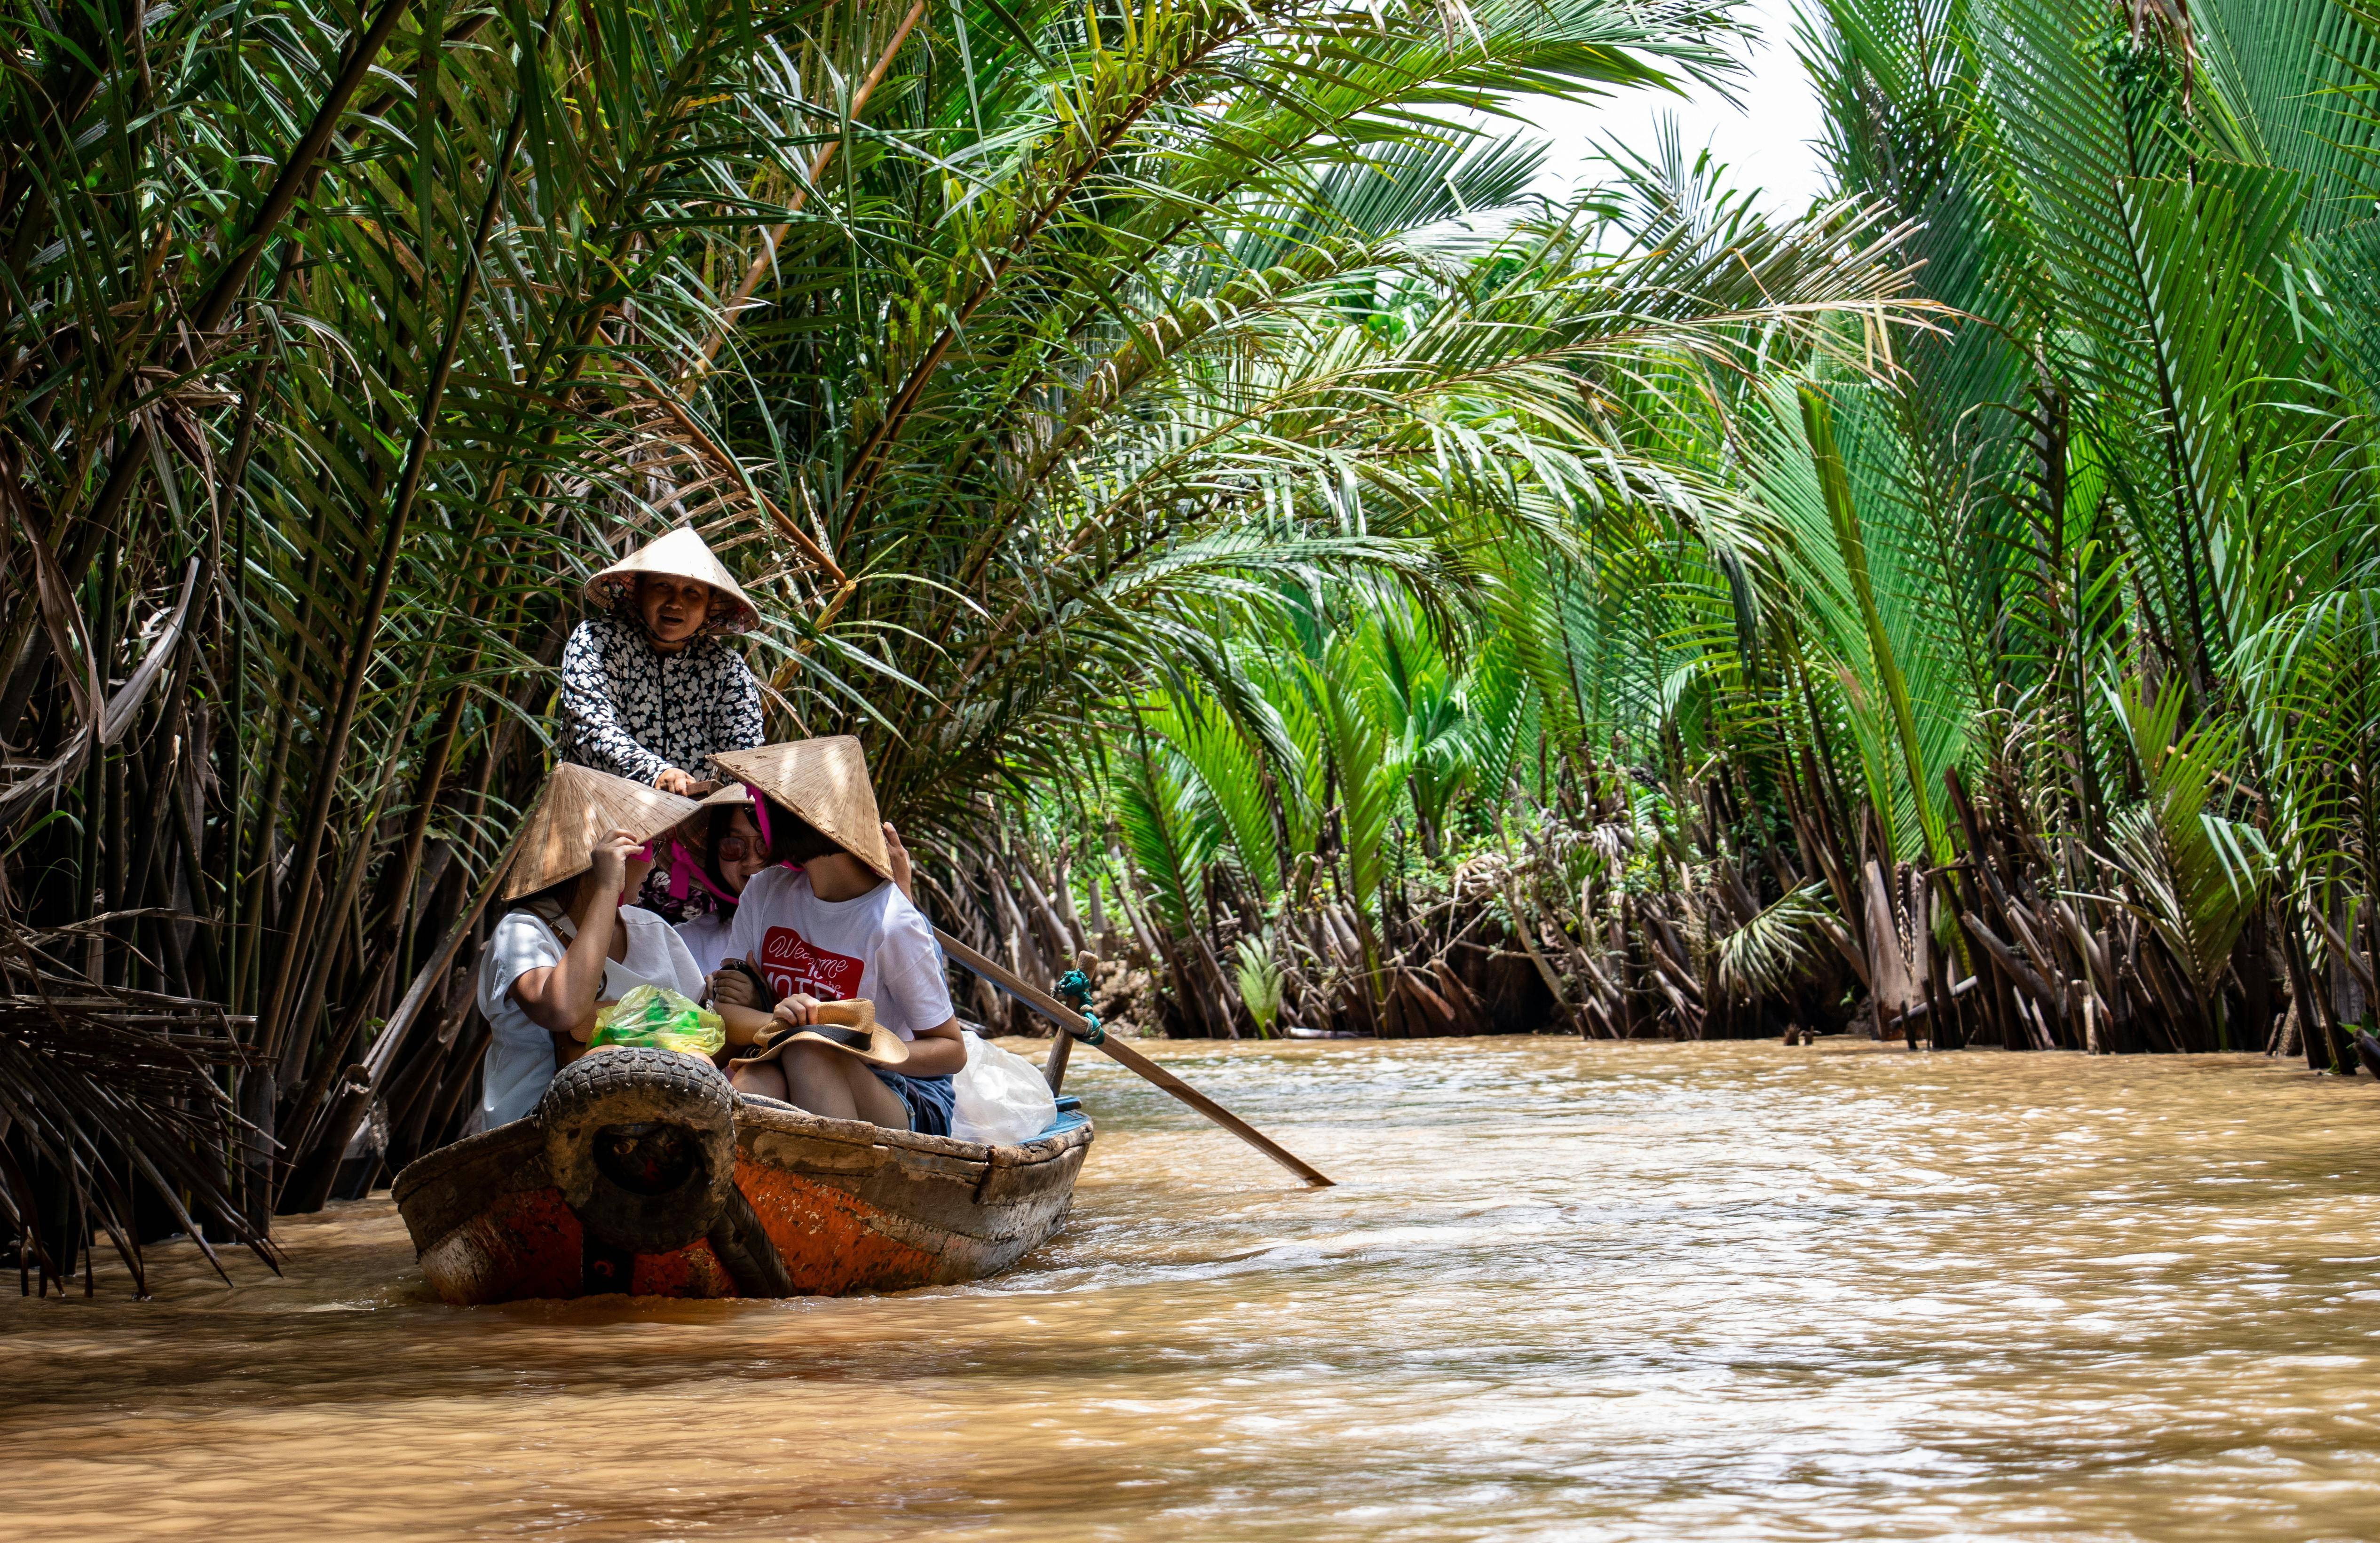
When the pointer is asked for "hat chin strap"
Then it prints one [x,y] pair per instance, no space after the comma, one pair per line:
[682,867]
[761,818]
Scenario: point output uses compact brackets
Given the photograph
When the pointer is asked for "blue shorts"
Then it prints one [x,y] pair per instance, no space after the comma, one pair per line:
[930,1100]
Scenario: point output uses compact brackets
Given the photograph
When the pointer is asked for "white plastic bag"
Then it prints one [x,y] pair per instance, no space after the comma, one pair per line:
[1001,1097]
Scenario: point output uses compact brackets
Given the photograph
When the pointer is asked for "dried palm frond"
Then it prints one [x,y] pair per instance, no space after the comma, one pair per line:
[113,1089]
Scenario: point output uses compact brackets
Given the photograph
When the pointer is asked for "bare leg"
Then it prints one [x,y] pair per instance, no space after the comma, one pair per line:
[878,1104]
[814,1080]
[826,1082]
[763,1079]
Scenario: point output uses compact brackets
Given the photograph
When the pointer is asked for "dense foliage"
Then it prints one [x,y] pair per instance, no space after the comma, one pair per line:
[1253,540]
[1003,348]
[2013,683]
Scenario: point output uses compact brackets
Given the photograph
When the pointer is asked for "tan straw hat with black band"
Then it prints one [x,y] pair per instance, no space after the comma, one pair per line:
[825,781]
[683,553]
[580,807]
[849,1026]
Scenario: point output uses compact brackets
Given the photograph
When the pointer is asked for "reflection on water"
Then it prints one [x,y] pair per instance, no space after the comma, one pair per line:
[1562,1291]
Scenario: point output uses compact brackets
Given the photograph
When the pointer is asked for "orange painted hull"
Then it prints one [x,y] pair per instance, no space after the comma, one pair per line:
[848,1207]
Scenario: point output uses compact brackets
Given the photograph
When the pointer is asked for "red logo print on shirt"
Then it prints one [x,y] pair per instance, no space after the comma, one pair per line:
[792,964]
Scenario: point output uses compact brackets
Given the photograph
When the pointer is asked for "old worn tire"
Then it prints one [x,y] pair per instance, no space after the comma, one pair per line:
[615,1097]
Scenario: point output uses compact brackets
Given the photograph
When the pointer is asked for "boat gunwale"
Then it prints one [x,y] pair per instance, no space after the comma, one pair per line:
[785,1120]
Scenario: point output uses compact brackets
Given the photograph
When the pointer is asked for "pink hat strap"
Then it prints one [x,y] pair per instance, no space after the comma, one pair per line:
[684,865]
[761,818]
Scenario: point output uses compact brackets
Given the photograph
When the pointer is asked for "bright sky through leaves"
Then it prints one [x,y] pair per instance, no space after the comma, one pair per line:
[1768,140]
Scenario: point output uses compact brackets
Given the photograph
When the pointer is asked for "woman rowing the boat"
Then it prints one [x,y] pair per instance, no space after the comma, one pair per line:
[568,939]
[838,928]
[649,691]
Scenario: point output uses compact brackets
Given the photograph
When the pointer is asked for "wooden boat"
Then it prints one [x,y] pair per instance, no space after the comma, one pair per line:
[642,1172]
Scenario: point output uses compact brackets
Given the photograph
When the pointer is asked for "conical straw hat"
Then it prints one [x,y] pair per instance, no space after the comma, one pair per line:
[683,553]
[825,781]
[577,809]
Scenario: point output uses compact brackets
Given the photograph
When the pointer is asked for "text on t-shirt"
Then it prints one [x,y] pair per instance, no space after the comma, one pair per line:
[792,964]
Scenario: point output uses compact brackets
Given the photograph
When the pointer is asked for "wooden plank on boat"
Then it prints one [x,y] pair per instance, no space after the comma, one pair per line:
[442,1190]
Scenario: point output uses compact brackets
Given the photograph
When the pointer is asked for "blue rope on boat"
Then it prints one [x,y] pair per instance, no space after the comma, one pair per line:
[1076,987]
[1093,1036]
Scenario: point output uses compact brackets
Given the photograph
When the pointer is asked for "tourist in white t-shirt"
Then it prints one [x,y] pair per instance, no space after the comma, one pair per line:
[836,929]
[569,943]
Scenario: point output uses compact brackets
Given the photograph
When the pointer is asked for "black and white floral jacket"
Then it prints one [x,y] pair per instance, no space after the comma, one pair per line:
[631,711]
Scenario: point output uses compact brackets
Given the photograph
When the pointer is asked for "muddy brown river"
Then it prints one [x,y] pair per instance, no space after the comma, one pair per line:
[1562,1291]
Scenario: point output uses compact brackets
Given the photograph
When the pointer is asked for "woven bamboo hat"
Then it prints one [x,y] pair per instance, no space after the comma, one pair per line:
[578,807]
[825,781]
[849,1026]
[683,553]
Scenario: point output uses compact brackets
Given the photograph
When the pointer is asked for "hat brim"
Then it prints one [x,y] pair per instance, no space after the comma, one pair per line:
[679,553]
[574,809]
[825,781]
[884,1047]
[731,614]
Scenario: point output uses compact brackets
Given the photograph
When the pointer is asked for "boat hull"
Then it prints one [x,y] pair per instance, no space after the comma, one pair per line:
[847,1206]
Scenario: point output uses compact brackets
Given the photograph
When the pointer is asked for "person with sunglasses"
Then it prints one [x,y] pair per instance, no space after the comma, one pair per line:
[732,853]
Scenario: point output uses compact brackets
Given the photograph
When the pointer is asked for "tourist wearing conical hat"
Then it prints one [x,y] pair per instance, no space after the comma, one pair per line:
[834,929]
[724,854]
[569,940]
[649,692]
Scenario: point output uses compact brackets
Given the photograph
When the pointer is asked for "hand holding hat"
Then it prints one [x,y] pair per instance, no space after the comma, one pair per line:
[610,856]
[849,1026]
[580,810]
[800,1010]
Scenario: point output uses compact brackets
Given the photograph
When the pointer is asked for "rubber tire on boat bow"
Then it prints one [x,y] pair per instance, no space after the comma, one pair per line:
[637,1087]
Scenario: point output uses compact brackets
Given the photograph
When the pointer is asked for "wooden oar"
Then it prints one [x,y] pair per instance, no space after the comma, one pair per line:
[1080,1029]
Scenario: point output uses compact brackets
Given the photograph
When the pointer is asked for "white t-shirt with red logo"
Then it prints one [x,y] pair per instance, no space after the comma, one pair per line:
[879,947]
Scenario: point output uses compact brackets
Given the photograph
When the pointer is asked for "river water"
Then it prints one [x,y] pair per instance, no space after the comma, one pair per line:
[1562,1291]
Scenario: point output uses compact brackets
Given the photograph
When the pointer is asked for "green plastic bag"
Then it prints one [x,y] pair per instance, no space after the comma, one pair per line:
[658,1017]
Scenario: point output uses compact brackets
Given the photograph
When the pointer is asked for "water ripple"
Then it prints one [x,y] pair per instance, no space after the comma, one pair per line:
[1562,1292]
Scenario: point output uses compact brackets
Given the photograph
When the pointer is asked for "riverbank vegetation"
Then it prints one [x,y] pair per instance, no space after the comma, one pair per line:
[2012,685]
[1257,544]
